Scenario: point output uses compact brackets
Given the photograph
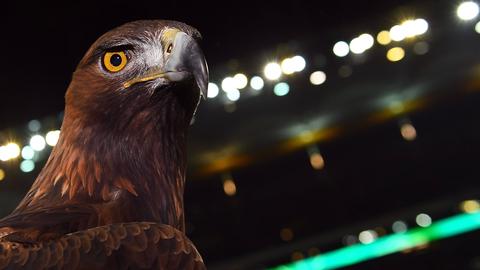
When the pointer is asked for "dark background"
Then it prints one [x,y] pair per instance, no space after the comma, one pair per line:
[372,176]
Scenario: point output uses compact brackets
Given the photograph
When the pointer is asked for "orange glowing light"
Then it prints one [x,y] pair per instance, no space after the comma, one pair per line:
[286,234]
[229,187]
[317,161]
[408,132]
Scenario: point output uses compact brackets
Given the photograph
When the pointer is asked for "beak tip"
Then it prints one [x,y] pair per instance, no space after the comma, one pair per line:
[188,54]
[201,77]
[203,91]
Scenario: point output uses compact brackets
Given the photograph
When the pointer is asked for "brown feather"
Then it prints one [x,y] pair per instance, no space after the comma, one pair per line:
[135,249]
[57,179]
[65,186]
[125,184]
[105,192]
[81,172]
[98,173]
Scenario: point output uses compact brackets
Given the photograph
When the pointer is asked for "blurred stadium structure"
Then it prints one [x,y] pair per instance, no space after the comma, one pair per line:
[321,159]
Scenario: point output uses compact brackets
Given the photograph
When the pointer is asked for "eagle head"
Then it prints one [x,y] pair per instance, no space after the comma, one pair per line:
[135,73]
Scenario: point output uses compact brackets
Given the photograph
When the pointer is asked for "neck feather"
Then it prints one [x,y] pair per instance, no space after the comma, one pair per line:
[137,164]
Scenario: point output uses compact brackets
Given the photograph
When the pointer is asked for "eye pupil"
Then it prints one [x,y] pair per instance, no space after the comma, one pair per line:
[169,49]
[116,60]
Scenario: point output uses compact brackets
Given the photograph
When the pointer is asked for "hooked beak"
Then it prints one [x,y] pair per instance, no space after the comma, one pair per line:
[188,57]
[185,61]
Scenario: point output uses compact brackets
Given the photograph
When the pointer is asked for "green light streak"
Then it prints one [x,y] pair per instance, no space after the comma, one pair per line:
[389,244]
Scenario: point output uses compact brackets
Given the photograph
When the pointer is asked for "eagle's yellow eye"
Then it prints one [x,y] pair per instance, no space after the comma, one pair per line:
[114,61]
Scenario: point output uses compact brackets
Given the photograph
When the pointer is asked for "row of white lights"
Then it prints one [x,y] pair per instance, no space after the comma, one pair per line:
[399,226]
[272,71]
[360,44]
[466,11]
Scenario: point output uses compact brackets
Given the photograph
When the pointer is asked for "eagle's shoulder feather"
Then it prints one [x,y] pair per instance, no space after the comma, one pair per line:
[137,245]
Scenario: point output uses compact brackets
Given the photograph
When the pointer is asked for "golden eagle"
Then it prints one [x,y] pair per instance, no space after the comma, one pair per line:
[111,193]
